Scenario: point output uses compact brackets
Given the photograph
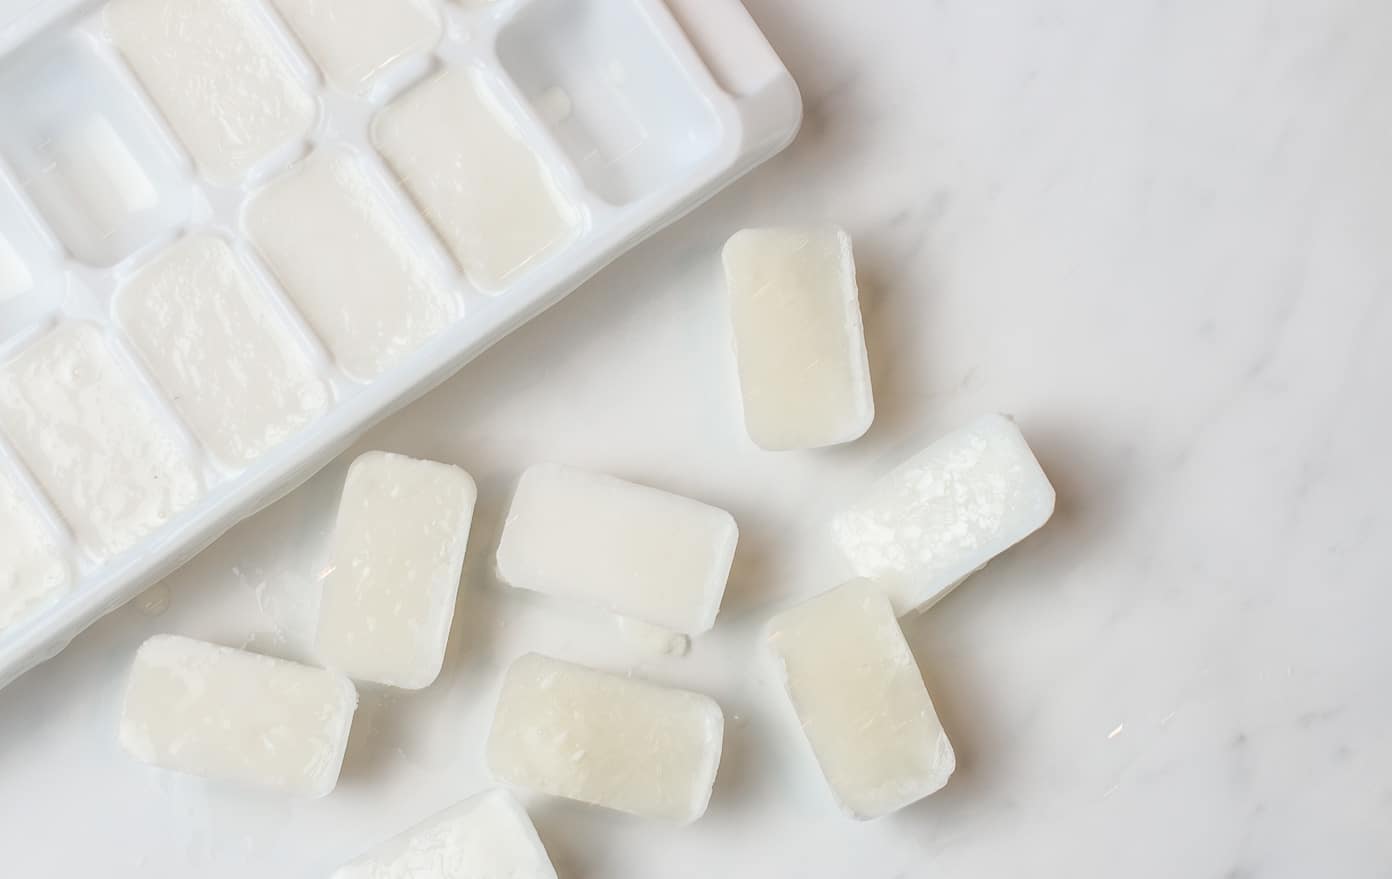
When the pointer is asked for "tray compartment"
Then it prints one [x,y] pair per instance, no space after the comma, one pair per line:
[617,99]
[219,73]
[328,234]
[85,154]
[213,343]
[113,466]
[352,41]
[484,189]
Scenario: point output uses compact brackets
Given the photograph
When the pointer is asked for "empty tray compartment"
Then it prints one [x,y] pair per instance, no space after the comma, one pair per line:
[30,285]
[86,153]
[617,98]
[26,260]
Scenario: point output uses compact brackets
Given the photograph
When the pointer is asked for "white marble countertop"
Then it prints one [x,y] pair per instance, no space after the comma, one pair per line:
[1155,232]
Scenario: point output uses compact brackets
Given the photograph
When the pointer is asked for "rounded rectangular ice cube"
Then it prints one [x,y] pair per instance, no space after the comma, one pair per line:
[329,236]
[803,369]
[632,550]
[112,465]
[223,357]
[478,182]
[354,40]
[861,700]
[946,512]
[216,73]
[237,717]
[607,740]
[33,572]
[393,569]
[488,836]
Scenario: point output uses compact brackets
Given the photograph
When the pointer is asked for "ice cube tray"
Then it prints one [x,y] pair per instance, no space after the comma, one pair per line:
[634,110]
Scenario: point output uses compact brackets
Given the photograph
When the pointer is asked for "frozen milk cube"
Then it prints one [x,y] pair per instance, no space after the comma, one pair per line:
[238,717]
[632,550]
[480,184]
[217,75]
[393,571]
[114,468]
[211,339]
[803,369]
[946,512]
[611,741]
[354,40]
[861,700]
[33,572]
[488,836]
[347,262]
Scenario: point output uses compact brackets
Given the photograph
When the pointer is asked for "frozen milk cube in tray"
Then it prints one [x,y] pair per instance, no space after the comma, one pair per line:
[214,69]
[479,183]
[348,264]
[33,571]
[210,337]
[255,228]
[355,40]
[106,457]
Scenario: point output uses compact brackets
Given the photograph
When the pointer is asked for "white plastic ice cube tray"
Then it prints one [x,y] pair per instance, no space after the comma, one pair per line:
[638,110]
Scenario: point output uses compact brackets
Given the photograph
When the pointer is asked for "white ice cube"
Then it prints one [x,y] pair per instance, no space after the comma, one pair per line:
[946,512]
[607,740]
[861,700]
[488,836]
[113,467]
[222,356]
[33,572]
[803,368]
[633,550]
[483,188]
[214,70]
[393,571]
[342,256]
[235,716]
[354,40]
